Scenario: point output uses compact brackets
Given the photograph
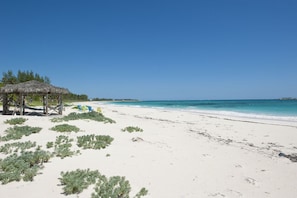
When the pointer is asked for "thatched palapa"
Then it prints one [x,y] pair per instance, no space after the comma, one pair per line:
[31,87]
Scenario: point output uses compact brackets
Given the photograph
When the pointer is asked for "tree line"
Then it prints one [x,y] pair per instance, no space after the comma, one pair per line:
[23,76]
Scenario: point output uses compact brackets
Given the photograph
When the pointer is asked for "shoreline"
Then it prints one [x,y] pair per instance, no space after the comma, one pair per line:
[178,154]
[231,115]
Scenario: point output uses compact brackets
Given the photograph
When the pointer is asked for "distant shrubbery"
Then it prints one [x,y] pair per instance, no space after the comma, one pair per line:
[89,115]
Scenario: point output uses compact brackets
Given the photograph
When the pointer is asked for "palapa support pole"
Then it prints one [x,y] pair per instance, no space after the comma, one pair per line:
[43,103]
[21,101]
[24,103]
[5,104]
[46,104]
[60,104]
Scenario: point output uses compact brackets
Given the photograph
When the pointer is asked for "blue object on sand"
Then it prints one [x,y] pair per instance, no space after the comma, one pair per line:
[90,108]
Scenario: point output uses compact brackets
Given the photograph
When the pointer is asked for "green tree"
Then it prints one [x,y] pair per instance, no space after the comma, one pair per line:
[22,76]
[9,78]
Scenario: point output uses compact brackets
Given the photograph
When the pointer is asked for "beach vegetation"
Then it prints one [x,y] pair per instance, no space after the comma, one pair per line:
[49,145]
[96,116]
[17,132]
[17,146]
[62,147]
[75,182]
[22,167]
[94,141]
[142,192]
[131,129]
[65,128]
[15,121]
[115,186]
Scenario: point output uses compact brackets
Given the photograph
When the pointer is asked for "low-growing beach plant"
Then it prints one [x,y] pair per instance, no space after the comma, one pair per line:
[115,186]
[24,166]
[88,115]
[49,144]
[94,141]
[63,146]
[141,193]
[17,132]
[65,128]
[16,146]
[75,182]
[131,129]
[15,121]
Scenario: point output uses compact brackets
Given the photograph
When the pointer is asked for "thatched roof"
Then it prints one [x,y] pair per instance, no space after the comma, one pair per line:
[31,87]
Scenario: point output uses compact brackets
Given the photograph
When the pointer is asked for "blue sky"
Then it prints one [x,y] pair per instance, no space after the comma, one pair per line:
[155,49]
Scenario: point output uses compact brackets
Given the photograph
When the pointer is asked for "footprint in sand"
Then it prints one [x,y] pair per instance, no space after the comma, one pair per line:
[250,180]
[238,166]
[233,193]
[217,195]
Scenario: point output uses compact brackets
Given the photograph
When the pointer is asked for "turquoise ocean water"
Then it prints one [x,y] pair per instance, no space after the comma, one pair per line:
[270,109]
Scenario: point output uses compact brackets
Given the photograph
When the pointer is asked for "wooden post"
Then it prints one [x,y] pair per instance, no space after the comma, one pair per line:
[23,104]
[5,104]
[60,104]
[43,103]
[46,104]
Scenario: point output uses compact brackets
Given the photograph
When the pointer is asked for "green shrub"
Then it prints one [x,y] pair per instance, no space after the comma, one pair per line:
[89,115]
[113,187]
[76,181]
[65,128]
[25,166]
[63,147]
[49,144]
[141,193]
[15,147]
[94,142]
[131,129]
[17,132]
[15,121]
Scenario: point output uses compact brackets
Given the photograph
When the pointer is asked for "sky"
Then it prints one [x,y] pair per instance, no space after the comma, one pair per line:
[155,49]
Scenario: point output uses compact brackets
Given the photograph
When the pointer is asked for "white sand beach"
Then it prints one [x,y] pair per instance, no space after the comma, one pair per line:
[178,154]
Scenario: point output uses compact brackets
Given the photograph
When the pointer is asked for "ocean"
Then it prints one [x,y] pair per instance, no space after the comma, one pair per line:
[265,109]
